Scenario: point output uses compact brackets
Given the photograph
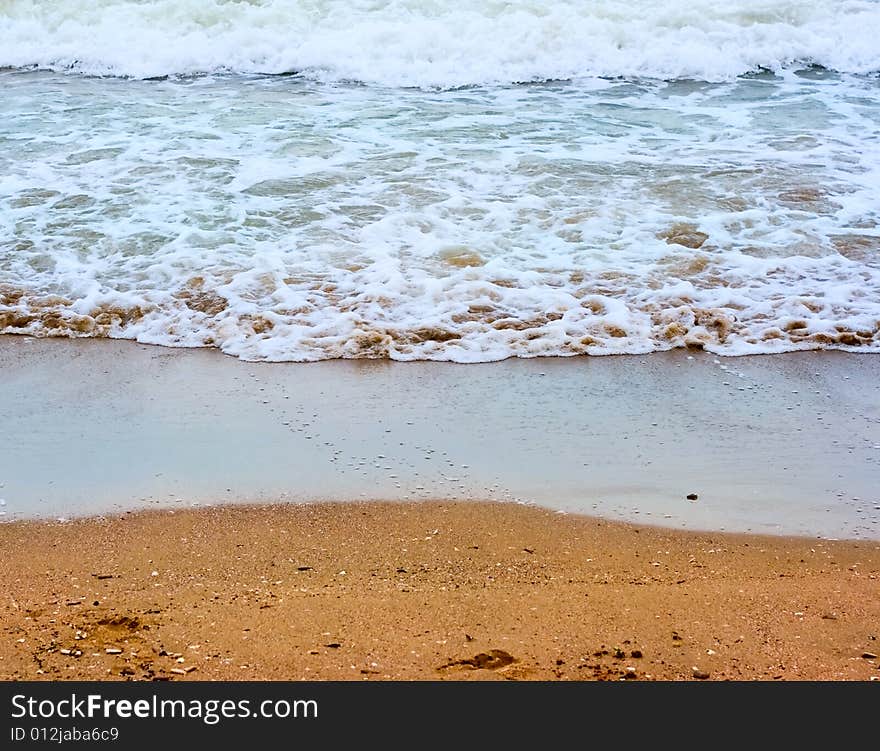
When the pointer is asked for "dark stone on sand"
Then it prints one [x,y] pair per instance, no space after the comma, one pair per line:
[636,653]
[692,496]
[491,660]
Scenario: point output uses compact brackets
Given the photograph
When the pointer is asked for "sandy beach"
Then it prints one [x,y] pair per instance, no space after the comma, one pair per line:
[422,342]
[428,591]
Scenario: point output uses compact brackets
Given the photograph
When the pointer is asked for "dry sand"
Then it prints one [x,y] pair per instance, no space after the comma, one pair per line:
[426,591]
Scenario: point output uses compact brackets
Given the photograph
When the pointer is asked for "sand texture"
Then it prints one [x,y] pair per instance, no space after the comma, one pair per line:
[428,591]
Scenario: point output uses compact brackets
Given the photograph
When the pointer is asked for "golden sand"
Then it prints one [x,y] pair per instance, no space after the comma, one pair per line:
[427,591]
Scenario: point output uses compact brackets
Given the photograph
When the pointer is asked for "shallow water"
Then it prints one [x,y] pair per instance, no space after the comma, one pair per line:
[426,187]
[419,180]
[780,444]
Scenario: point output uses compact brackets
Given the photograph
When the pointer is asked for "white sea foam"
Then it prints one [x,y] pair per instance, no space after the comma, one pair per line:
[659,198]
[437,43]
[280,219]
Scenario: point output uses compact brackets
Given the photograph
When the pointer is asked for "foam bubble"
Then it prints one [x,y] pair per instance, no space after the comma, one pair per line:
[279,219]
[444,44]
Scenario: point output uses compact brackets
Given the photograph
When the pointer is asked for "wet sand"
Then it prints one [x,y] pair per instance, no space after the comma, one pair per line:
[782,444]
[426,591]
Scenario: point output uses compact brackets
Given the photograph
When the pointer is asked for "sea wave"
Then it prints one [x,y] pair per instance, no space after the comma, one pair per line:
[439,43]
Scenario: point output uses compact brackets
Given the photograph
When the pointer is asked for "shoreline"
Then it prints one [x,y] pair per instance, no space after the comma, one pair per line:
[785,445]
[269,506]
[427,591]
